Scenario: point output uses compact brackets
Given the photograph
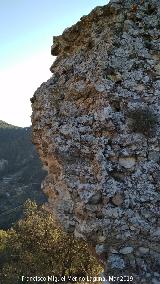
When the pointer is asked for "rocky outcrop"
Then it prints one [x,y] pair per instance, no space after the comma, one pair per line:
[96,127]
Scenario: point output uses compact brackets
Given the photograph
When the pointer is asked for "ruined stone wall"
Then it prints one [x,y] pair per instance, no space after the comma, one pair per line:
[96,126]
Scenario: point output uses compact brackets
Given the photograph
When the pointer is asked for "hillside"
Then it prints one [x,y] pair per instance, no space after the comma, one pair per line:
[5,125]
[20,172]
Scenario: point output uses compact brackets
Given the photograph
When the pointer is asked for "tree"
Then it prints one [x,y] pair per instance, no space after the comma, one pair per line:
[37,245]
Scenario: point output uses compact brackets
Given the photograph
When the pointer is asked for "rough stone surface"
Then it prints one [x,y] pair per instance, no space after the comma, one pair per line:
[126,250]
[96,125]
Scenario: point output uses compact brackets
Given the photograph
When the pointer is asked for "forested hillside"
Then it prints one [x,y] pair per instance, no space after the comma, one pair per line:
[20,172]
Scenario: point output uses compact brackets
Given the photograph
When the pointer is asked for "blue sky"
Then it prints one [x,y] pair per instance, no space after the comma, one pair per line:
[26,31]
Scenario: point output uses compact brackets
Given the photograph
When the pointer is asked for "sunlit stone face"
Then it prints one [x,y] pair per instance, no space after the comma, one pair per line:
[103,181]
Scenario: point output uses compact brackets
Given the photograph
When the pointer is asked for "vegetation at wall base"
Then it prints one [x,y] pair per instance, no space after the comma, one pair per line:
[37,245]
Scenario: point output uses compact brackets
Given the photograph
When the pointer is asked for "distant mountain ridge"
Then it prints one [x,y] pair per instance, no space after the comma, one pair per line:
[21,172]
[4,124]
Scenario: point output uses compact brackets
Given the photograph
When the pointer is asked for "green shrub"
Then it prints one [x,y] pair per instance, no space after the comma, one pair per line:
[143,121]
[38,246]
